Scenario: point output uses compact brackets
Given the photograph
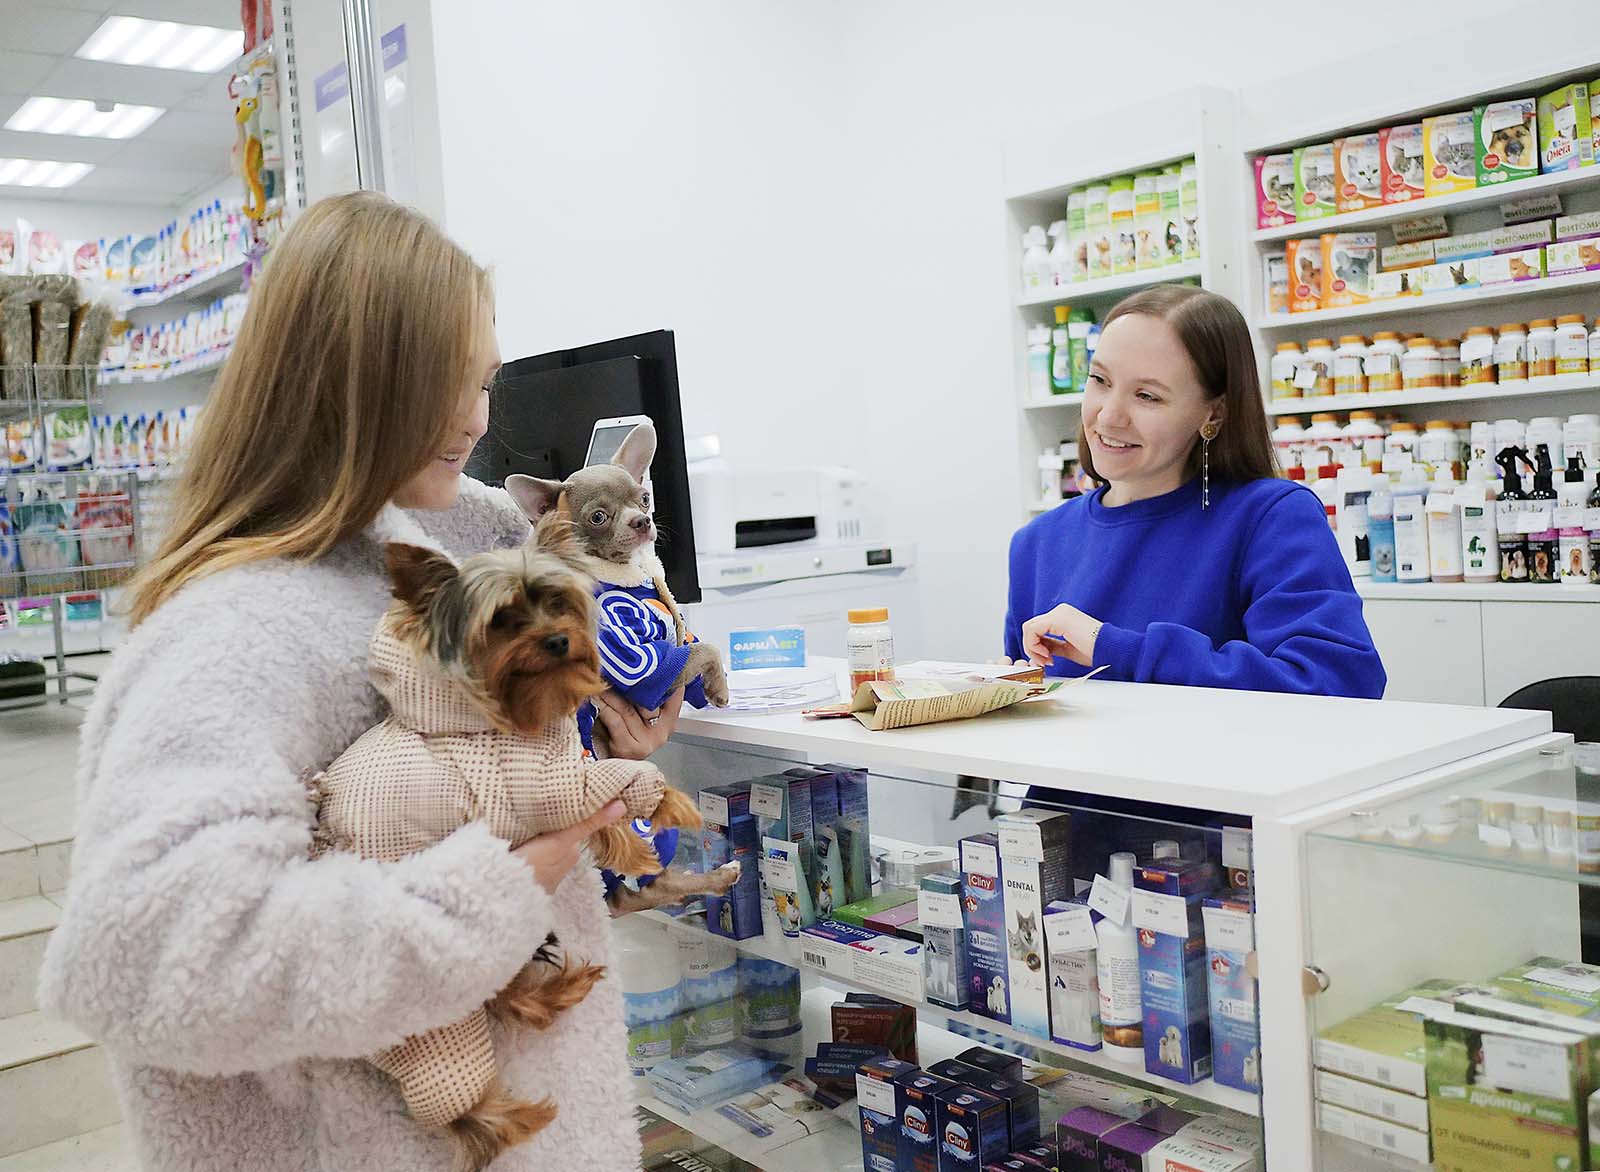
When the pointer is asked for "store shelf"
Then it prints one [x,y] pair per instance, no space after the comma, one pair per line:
[1557,385]
[215,284]
[1206,1091]
[1111,286]
[1391,213]
[1475,592]
[1428,302]
[1045,402]
[201,365]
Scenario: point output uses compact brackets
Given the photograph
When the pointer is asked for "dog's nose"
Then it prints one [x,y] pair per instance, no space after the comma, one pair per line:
[556,645]
[641,522]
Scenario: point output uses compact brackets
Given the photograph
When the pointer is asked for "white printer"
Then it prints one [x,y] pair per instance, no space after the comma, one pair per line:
[739,510]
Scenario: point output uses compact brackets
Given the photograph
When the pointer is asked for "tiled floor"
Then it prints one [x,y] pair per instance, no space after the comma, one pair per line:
[36,778]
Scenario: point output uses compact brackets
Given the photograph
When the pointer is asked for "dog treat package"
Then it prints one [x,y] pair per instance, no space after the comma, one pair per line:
[1448,157]
[1274,190]
[1304,258]
[1401,159]
[1358,172]
[1506,135]
[1566,132]
[1349,259]
[1314,182]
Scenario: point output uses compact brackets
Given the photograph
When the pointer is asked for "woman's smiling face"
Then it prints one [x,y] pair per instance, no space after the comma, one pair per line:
[1143,408]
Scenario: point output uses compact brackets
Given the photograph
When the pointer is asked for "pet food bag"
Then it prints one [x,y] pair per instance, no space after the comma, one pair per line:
[1400,156]
[16,346]
[1506,138]
[1449,160]
[1358,172]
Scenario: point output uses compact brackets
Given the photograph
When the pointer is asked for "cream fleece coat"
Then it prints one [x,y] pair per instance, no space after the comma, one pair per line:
[235,982]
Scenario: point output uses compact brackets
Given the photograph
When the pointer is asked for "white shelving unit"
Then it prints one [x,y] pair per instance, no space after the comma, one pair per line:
[205,364]
[218,283]
[1411,309]
[1039,172]
[1536,390]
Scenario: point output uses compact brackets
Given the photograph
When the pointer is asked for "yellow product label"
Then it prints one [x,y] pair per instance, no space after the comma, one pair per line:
[1449,154]
[1348,378]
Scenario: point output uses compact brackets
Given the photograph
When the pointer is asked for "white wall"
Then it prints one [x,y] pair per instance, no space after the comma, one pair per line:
[810,195]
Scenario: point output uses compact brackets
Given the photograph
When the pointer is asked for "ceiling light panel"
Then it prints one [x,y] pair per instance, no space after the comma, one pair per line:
[41,173]
[163,44]
[39,115]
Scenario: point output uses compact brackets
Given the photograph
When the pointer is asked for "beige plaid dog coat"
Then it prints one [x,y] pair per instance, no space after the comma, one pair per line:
[436,764]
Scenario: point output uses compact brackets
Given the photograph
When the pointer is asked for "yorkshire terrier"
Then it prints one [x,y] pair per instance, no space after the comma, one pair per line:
[484,666]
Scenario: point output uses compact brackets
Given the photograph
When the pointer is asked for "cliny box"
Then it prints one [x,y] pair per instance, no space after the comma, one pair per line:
[1235,1024]
[1167,911]
[878,1112]
[983,913]
[972,1129]
[1385,1044]
[1505,1095]
[944,940]
[1561,986]
[1035,869]
[916,1097]
[998,1065]
[1022,1108]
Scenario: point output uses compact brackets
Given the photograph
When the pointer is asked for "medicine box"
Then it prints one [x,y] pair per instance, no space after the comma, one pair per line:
[1358,172]
[826,866]
[958,1071]
[1074,976]
[1400,283]
[1577,227]
[1022,1108]
[736,915]
[1448,157]
[972,1129]
[1385,1044]
[1167,1120]
[944,940]
[1128,1148]
[853,830]
[1304,260]
[1561,986]
[1466,244]
[1406,256]
[1487,1005]
[1181,1154]
[1218,1132]
[864,957]
[857,912]
[983,913]
[1401,159]
[916,1100]
[1375,1133]
[1449,277]
[1506,139]
[1520,237]
[1314,182]
[1167,906]
[1349,260]
[998,1065]
[900,920]
[1274,190]
[1042,1153]
[1511,266]
[1231,994]
[1380,1102]
[878,1112]
[1566,136]
[1508,1088]
[1035,869]
[1078,1135]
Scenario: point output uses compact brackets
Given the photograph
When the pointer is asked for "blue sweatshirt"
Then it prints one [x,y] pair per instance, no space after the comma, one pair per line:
[639,652]
[1251,593]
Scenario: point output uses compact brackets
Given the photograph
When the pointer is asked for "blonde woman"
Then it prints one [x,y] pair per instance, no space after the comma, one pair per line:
[234,982]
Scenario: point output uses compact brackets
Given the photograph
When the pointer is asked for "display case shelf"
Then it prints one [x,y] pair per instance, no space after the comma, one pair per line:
[1568,384]
[1428,302]
[217,283]
[1045,402]
[1116,286]
[1477,592]
[205,364]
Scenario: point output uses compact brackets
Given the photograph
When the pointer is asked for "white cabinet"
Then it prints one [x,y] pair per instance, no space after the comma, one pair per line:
[1433,651]
[1524,642]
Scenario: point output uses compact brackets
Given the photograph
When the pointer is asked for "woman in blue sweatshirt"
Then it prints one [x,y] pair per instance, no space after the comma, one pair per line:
[1192,563]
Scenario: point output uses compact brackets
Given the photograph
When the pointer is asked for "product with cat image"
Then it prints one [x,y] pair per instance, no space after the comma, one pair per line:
[1358,163]
[983,914]
[1314,182]
[1304,258]
[1401,159]
[1566,132]
[1449,158]
[1035,870]
[1274,190]
[1349,259]
[1506,137]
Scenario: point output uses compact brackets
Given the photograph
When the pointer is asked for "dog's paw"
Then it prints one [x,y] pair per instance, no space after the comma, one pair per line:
[722,879]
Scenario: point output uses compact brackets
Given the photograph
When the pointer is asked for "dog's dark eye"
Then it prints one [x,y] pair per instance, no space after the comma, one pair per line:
[556,605]
[598,517]
[503,619]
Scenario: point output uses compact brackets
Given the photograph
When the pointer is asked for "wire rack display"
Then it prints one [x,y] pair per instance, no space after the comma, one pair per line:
[66,526]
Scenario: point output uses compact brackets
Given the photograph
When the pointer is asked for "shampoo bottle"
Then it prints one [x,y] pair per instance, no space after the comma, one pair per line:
[1508,517]
[1480,547]
[1591,522]
[1080,326]
[1380,526]
[1353,526]
[1117,970]
[1444,529]
[1035,260]
[1060,254]
[1544,541]
[1060,354]
[1038,361]
[1574,549]
[1411,527]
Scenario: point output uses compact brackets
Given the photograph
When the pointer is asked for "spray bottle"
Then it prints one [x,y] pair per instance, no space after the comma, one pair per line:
[1480,555]
[1060,254]
[1411,526]
[1508,516]
[1544,540]
[1035,260]
[1574,542]
[1444,528]
[1060,354]
[1380,526]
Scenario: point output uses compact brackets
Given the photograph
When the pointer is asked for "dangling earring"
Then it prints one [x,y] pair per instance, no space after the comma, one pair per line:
[1207,434]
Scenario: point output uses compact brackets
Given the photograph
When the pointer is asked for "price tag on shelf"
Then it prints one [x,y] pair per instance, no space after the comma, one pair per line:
[875,1095]
[1167,914]
[938,909]
[1071,930]
[714,808]
[1305,377]
[766,801]
[1591,519]
[1228,930]
[1494,836]
[1109,900]
[1569,517]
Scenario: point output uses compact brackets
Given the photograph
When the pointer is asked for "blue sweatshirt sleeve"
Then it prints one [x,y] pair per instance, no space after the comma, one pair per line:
[1304,631]
[1017,606]
[641,672]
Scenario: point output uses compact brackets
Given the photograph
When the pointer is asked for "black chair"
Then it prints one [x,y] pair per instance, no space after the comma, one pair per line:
[1573,703]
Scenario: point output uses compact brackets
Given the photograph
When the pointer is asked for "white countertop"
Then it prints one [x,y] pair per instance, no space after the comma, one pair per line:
[1255,753]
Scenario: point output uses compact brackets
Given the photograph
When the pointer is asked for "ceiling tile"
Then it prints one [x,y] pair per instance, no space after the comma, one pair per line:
[68,148]
[167,88]
[42,26]
[216,13]
[22,72]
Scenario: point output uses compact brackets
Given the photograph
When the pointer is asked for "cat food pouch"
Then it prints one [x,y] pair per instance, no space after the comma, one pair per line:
[1274,190]
[1400,150]
[41,250]
[1506,138]
[1304,258]
[69,441]
[8,251]
[1314,182]
[1449,158]
[1358,172]
[1349,259]
[1566,132]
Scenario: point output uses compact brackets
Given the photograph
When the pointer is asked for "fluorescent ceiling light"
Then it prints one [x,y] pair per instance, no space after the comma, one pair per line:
[79,116]
[41,173]
[163,44]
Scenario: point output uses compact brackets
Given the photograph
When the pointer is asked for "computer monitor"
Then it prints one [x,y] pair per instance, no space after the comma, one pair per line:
[545,408]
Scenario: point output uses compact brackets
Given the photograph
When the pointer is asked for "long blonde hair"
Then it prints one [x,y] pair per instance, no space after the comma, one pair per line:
[340,387]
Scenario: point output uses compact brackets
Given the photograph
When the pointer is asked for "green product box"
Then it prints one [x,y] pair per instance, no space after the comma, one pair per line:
[1566,133]
[1588,1032]
[856,913]
[1120,202]
[1385,1044]
[1189,207]
[1172,223]
[1503,1095]
[1506,140]
[1314,182]
[1566,987]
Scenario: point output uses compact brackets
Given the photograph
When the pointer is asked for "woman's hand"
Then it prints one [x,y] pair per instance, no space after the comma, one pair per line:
[634,733]
[1064,632]
[553,855]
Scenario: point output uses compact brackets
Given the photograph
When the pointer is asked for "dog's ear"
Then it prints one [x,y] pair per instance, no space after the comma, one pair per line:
[416,574]
[534,497]
[556,534]
[637,451]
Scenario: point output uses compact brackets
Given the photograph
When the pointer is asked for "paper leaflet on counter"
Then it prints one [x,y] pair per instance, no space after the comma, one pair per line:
[944,695]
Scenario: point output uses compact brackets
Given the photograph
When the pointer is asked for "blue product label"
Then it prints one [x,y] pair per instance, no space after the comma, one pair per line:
[983,912]
[767,647]
[1177,1035]
[1235,1029]
[880,1141]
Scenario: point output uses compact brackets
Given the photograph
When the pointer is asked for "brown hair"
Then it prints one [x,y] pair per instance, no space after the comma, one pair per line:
[1217,340]
[339,388]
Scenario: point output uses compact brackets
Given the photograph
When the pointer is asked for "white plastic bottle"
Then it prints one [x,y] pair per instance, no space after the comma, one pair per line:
[1060,254]
[1353,490]
[1035,260]
[1039,361]
[1444,529]
[1117,969]
[1411,527]
[1480,540]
